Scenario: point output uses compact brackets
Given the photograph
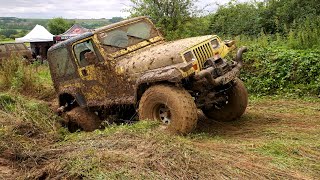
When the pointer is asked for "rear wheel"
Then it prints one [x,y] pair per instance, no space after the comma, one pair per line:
[172,106]
[235,107]
[80,118]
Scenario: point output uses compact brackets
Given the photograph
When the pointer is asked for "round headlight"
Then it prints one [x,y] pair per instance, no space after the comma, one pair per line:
[215,43]
[188,56]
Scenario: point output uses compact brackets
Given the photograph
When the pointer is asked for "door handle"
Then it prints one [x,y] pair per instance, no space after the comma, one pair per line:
[84,72]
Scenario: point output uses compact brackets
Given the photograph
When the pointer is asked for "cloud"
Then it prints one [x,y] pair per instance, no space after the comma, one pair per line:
[63,8]
[77,8]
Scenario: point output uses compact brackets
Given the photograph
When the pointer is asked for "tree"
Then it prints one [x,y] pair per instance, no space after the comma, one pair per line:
[169,15]
[2,37]
[236,18]
[59,25]
[8,32]
[116,19]
[276,13]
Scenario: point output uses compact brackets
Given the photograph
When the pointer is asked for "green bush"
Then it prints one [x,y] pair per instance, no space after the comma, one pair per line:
[275,70]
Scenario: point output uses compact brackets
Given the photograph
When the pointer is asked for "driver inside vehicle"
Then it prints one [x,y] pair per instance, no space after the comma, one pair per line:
[90,57]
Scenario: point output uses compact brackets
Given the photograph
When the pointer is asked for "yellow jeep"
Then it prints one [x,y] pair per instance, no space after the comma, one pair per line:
[128,68]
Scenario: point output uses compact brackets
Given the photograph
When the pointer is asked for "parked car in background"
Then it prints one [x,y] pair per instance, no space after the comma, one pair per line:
[14,49]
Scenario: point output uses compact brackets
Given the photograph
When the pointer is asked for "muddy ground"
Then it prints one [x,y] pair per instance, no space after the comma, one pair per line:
[275,139]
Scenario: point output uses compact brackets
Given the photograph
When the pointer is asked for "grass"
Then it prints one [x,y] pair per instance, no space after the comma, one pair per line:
[27,128]
[7,41]
[24,109]
[32,80]
[276,138]
[12,41]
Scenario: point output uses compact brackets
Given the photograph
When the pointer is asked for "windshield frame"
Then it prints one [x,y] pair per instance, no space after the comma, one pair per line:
[115,51]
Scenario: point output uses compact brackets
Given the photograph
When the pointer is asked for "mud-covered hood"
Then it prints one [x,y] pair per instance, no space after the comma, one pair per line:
[157,56]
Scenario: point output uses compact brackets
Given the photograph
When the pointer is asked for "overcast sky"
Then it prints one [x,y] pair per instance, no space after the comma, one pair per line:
[74,8]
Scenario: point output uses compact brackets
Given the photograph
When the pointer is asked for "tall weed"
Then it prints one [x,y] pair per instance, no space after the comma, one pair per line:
[17,76]
[23,110]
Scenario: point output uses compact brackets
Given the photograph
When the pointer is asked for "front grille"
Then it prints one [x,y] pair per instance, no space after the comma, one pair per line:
[202,53]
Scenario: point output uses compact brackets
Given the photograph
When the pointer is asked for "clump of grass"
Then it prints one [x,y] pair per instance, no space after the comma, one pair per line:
[24,123]
[22,109]
[17,76]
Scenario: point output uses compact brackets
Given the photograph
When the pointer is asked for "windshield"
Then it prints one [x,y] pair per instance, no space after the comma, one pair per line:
[128,35]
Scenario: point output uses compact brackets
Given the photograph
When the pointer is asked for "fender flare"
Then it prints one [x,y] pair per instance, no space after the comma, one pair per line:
[169,74]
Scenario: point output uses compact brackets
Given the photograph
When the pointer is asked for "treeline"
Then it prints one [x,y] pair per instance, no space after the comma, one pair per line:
[297,20]
[273,16]
[18,23]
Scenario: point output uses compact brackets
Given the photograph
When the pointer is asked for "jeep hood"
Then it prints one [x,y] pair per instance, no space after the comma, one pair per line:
[157,56]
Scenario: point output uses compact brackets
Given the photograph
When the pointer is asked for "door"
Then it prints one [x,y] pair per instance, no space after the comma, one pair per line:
[102,84]
[87,58]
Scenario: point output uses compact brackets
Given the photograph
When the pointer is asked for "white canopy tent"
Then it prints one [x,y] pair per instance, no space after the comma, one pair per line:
[37,34]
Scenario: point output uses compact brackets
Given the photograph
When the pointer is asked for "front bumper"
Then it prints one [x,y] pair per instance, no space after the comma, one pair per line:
[227,77]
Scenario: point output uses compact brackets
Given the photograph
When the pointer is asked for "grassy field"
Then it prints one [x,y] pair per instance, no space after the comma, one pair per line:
[276,138]
[7,41]
[12,41]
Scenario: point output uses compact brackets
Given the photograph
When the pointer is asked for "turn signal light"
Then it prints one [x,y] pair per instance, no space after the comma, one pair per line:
[195,67]
[216,56]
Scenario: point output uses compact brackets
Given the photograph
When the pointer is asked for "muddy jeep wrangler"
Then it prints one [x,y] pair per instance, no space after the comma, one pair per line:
[128,68]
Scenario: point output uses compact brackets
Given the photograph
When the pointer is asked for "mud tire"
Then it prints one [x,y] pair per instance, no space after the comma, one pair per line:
[80,118]
[238,101]
[178,101]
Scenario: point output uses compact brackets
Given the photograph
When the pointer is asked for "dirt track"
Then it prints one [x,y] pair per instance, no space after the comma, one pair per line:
[274,139]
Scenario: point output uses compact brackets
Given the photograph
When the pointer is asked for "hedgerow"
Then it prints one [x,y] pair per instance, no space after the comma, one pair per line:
[278,70]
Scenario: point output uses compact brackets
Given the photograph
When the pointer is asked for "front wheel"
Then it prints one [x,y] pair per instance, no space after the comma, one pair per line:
[172,106]
[235,107]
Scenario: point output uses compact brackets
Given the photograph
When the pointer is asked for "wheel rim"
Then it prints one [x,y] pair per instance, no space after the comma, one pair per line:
[163,114]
